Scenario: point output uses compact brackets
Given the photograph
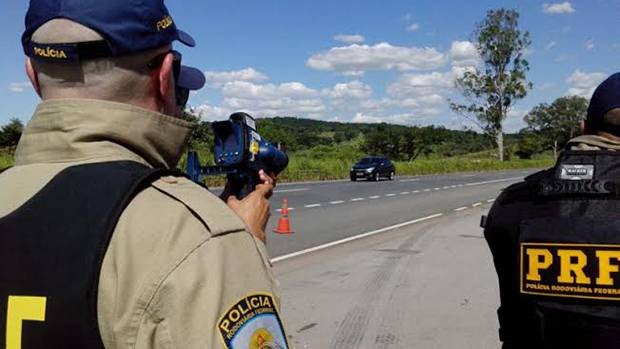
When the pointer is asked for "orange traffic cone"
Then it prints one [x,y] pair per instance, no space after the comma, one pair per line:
[284,225]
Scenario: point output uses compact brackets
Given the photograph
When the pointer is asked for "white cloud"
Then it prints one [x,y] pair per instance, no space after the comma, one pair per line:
[208,112]
[464,54]
[558,8]
[248,90]
[268,100]
[363,118]
[350,39]
[350,90]
[218,79]
[583,84]
[400,118]
[589,45]
[413,27]
[355,59]
[550,45]
[19,86]
[418,85]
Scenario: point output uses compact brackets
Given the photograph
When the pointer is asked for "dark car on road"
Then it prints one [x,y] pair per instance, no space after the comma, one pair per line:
[373,168]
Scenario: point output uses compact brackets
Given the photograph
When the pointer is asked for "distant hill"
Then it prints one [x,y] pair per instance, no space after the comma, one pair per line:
[300,134]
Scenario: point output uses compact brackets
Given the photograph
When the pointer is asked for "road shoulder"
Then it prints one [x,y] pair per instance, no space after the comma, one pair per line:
[430,285]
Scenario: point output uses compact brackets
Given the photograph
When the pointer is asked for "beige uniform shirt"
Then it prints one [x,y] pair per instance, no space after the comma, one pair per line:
[169,279]
[593,142]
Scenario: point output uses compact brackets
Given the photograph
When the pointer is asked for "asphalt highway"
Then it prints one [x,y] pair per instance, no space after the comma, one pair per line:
[427,285]
[327,213]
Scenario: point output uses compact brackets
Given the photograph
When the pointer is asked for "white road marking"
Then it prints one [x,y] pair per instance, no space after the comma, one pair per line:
[390,194]
[453,186]
[336,202]
[490,200]
[290,209]
[461,208]
[427,190]
[446,187]
[409,180]
[415,191]
[374,197]
[290,190]
[436,188]
[352,238]
[313,205]
[404,193]
[477,204]
[494,181]
[357,199]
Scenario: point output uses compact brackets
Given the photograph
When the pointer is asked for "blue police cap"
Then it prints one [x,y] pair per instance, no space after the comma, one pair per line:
[605,98]
[127,26]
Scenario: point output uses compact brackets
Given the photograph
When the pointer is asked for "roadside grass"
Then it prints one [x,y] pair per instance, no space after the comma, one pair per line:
[6,158]
[329,162]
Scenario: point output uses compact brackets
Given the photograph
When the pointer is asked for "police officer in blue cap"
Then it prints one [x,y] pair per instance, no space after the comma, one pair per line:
[555,240]
[102,243]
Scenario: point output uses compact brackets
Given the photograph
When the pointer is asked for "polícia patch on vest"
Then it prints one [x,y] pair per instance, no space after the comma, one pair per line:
[585,271]
[253,323]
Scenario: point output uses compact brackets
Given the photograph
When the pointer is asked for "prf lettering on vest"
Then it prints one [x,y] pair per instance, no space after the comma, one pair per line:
[164,23]
[571,270]
[49,52]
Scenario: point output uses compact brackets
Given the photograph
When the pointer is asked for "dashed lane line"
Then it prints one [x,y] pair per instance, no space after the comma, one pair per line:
[374,197]
[490,200]
[389,195]
[353,238]
[290,190]
[357,199]
[313,205]
[461,208]
[290,209]
[415,191]
[409,180]
[404,193]
[476,204]
[427,190]
[336,202]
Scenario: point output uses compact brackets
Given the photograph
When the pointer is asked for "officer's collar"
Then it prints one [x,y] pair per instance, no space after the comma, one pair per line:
[593,142]
[75,130]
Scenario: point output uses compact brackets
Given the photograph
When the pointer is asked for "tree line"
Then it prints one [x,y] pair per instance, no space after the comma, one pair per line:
[10,133]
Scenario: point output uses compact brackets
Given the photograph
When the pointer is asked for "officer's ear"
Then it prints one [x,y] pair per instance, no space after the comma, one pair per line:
[165,90]
[582,127]
[32,76]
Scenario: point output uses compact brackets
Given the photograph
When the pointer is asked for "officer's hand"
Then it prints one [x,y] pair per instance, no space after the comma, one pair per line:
[254,209]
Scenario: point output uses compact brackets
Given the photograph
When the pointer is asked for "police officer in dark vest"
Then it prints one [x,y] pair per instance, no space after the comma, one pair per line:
[555,240]
[102,243]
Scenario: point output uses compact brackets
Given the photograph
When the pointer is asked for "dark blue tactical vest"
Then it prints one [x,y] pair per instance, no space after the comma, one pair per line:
[51,252]
[555,240]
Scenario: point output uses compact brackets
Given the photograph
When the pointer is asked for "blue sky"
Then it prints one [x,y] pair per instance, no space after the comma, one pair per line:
[362,60]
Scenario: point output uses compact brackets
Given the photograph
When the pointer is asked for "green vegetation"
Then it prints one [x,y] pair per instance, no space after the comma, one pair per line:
[6,158]
[326,150]
[321,150]
[552,126]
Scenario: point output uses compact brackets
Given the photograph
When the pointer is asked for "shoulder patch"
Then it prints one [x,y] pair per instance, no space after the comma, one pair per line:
[253,323]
